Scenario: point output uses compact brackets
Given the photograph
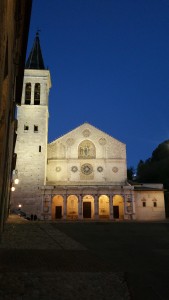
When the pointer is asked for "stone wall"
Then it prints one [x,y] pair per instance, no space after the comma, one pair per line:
[149,205]
[14,24]
[31,144]
[86,154]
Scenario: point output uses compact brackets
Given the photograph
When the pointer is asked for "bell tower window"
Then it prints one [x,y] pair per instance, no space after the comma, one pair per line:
[35,128]
[37,94]
[28,93]
[26,128]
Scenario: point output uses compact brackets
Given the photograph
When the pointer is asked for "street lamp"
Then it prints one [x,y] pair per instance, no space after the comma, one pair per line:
[16,181]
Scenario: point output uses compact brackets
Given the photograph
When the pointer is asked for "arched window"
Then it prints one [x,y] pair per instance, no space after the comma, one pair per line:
[28,93]
[86,149]
[37,94]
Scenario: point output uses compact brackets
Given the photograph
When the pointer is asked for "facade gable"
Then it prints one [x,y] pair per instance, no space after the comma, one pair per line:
[106,146]
[86,154]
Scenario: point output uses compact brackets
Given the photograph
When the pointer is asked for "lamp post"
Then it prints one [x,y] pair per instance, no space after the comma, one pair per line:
[15,181]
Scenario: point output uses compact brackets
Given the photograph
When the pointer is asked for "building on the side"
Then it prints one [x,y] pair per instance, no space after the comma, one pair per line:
[81,175]
[14,29]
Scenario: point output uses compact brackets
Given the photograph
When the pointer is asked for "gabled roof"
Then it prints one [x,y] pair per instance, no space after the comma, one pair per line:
[84,126]
[35,59]
[146,186]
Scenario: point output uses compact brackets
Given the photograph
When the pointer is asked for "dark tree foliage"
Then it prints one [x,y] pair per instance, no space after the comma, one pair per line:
[156,168]
[130,173]
[161,152]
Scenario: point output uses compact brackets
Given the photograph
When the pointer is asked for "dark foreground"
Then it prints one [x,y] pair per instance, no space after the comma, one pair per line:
[91,260]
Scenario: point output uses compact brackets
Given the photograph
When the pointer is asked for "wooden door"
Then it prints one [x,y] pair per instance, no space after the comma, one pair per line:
[58,212]
[116,211]
[86,209]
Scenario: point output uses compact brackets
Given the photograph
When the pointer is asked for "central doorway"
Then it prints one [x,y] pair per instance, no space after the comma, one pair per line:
[58,212]
[86,209]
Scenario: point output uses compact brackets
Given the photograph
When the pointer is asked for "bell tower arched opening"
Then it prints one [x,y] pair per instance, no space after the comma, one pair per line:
[37,94]
[28,93]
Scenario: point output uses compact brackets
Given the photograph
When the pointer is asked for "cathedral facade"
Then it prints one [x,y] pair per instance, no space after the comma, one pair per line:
[81,175]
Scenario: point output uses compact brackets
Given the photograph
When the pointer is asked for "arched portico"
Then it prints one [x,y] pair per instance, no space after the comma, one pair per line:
[104,208]
[72,207]
[118,207]
[88,206]
[93,205]
[57,207]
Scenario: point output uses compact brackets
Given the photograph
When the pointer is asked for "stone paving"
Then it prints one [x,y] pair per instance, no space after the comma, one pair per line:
[38,261]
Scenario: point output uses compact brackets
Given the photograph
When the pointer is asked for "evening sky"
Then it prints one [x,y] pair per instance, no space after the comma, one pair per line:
[109,65]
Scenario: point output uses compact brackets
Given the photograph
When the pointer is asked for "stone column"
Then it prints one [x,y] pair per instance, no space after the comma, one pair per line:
[42,205]
[64,206]
[125,203]
[23,93]
[129,206]
[50,204]
[133,205]
[80,216]
[133,202]
[111,206]
[46,207]
[96,207]
[43,94]
[32,93]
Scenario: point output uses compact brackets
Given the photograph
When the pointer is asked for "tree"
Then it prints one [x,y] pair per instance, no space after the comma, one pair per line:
[156,168]
[130,173]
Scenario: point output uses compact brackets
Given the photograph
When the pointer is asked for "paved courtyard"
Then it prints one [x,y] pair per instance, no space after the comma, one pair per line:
[84,260]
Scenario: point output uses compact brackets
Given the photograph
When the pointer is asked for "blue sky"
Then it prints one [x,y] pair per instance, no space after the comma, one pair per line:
[109,64]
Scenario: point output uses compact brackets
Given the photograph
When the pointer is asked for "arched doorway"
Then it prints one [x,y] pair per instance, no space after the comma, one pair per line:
[72,207]
[57,207]
[104,208]
[118,207]
[88,207]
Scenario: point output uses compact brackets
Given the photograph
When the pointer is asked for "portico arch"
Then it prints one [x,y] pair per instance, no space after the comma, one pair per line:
[104,208]
[72,207]
[57,207]
[88,206]
[118,207]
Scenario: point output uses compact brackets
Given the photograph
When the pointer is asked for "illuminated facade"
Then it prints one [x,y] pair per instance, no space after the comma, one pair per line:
[87,179]
[81,175]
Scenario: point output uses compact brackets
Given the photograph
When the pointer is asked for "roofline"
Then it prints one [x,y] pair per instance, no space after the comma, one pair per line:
[82,125]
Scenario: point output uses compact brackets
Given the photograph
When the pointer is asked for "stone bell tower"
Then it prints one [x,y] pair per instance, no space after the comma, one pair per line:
[32,133]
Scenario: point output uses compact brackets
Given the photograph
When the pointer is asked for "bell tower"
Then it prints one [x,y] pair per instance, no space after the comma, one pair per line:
[32,133]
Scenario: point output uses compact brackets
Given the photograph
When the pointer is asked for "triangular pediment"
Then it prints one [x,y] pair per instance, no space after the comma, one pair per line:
[105,144]
[86,129]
